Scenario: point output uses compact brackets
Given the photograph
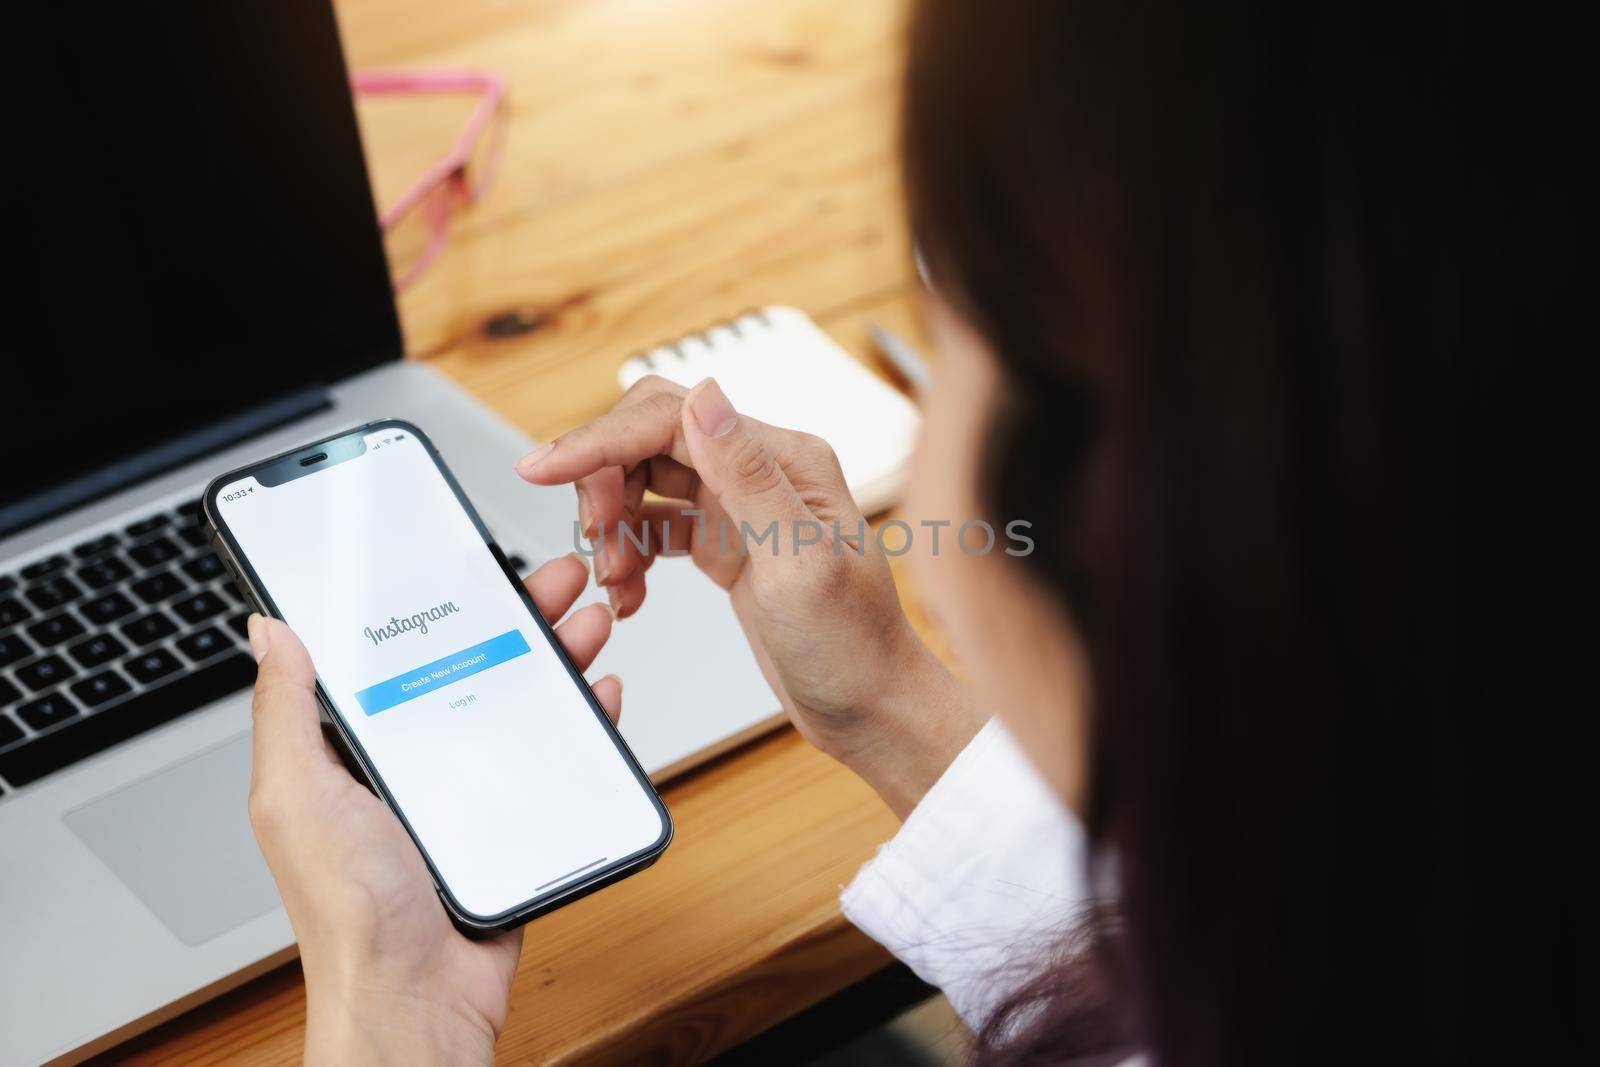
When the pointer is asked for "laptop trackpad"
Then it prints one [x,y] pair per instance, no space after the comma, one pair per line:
[181,841]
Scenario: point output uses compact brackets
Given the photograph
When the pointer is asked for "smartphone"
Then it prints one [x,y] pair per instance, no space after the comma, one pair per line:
[441,680]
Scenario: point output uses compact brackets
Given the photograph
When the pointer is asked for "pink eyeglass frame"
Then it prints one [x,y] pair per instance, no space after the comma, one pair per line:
[451,170]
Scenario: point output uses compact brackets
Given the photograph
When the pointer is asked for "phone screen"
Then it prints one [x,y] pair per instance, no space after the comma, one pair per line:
[509,779]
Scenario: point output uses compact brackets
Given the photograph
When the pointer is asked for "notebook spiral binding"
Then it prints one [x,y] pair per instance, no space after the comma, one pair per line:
[646,356]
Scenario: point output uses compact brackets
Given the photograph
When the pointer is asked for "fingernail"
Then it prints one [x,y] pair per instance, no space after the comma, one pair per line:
[602,568]
[712,411]
[582,560]
[526,464]
[614,678]
[616,602]
[259,640]
[585,514]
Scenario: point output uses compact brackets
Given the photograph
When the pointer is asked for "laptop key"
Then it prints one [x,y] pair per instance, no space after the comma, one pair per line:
[13,611]
[54,630]
[95,546]
[7,583]
[9,731]
[154,552]
[189,509]
[99,688]
[194,536]
[152,665]
[101,648]
[158,587]
[106,608]
[144,526]
[199,607]
[40,568]
[88,735]
[203,644]
[8,694]
[43,673]
[241,625]
[47,711]
[204,568]
[148,628]
[53,592]
[12,649]
[103,572]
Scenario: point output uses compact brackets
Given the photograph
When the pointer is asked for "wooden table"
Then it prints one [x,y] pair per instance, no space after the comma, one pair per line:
[668,163]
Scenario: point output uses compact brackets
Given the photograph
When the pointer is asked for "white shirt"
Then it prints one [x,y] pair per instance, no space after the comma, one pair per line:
[984,877]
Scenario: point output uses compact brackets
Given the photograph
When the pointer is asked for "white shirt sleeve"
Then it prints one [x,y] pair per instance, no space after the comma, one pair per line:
[984,877]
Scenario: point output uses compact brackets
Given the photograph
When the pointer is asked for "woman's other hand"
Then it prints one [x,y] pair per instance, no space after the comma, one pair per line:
[765,513]
[388,978]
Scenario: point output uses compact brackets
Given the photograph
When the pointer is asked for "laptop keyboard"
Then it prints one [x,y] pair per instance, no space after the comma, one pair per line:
[122,633]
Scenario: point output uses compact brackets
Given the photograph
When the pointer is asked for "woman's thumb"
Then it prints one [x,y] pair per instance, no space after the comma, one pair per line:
[733,457]
[285,708]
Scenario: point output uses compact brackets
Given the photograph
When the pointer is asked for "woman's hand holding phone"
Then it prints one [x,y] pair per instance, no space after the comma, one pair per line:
[388,978]
[818,604]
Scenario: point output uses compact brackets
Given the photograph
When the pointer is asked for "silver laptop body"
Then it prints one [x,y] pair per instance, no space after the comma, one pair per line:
[130,886]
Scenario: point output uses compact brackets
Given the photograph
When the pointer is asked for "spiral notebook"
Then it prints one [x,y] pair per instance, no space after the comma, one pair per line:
[778,366]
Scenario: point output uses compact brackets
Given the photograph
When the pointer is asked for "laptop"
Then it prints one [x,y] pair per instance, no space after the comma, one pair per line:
[206,285]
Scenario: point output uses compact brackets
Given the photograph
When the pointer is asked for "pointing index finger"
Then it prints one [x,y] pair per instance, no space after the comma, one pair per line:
[645,423]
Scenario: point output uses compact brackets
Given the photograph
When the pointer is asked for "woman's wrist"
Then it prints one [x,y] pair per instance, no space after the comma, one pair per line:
[354,1021]
[919,722]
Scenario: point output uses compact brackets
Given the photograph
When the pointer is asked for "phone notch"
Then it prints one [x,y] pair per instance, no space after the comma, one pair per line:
[318,457]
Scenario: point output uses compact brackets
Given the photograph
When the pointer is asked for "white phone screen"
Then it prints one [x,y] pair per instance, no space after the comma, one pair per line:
[509,781]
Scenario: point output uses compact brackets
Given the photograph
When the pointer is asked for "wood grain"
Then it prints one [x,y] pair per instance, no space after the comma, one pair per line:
[667,165]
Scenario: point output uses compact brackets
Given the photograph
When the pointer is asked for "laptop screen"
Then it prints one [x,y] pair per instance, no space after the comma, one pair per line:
[196,240]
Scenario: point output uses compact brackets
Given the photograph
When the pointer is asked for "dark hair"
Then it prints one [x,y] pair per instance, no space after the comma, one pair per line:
[1283,296]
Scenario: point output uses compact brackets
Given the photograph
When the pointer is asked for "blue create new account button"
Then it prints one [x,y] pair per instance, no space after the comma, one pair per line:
[441,672]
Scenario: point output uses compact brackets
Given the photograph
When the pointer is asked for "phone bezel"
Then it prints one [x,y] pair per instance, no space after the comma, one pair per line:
[251,585]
